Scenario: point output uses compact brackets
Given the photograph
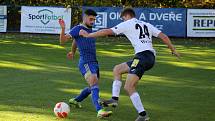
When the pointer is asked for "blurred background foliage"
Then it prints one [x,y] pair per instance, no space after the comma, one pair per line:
[134,3]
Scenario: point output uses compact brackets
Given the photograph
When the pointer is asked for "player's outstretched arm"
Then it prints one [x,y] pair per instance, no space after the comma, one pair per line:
[63,38]
[100,33]
[167,41]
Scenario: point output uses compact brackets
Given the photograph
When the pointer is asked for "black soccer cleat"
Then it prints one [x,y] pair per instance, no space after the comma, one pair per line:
[109,103]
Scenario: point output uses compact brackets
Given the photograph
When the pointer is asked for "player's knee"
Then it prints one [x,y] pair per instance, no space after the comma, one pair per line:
[92,80]
[116,70]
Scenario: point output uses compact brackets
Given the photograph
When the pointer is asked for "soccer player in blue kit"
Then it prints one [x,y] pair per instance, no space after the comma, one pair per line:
[88,64]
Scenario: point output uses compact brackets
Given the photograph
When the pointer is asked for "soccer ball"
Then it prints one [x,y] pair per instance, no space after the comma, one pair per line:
[61,110]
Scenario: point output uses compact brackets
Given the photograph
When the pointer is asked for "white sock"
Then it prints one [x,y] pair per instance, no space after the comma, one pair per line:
[135,98]
[116,88]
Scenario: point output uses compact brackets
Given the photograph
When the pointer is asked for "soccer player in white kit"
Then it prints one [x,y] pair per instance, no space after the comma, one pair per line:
[140,35]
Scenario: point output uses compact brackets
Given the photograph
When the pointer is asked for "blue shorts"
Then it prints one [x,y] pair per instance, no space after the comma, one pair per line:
[89,68]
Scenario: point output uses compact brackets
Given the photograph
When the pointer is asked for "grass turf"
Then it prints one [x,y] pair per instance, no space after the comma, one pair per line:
[35,74]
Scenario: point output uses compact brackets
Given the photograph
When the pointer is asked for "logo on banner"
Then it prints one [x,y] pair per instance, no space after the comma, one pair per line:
[45,16]
[205,23]
[201,23]
[101,20]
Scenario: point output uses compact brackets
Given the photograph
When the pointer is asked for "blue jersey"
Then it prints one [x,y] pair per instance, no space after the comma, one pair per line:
[86,46]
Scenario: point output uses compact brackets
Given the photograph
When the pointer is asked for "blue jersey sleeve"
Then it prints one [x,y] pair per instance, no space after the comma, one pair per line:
[74,32]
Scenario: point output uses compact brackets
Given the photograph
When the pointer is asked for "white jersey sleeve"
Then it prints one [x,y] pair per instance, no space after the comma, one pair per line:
[120,28]
[155,31]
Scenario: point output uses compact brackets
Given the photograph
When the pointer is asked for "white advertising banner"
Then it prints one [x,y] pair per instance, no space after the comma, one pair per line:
[3,18]
[44,19]
[201,22]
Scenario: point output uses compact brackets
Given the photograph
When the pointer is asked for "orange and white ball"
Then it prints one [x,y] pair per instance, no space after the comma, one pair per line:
[61,110]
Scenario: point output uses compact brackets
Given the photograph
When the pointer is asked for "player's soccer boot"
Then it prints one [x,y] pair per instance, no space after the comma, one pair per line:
[142,118]
[75,103]
[109,103]
[102,113]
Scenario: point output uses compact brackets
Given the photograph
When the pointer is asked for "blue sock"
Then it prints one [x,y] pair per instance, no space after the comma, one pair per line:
[95,97]
[84,94]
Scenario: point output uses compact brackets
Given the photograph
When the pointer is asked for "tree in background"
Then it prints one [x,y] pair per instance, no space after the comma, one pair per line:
[134,3]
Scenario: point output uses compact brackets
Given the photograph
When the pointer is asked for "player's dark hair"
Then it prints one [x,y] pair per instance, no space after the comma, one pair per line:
[90,12]
[129,11]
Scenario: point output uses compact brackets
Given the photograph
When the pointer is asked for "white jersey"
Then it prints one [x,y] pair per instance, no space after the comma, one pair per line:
[139,33]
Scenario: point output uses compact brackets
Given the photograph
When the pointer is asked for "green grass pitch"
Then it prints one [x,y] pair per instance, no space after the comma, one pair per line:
[35,74]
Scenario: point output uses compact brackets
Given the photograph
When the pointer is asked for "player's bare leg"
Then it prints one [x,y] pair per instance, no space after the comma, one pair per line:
[130,84]
[130,87]
[119,70]
[117,83]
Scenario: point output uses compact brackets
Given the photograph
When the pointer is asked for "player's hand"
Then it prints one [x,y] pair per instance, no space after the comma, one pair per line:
[83,33]
[62,23]
[175,53]
[70,55]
